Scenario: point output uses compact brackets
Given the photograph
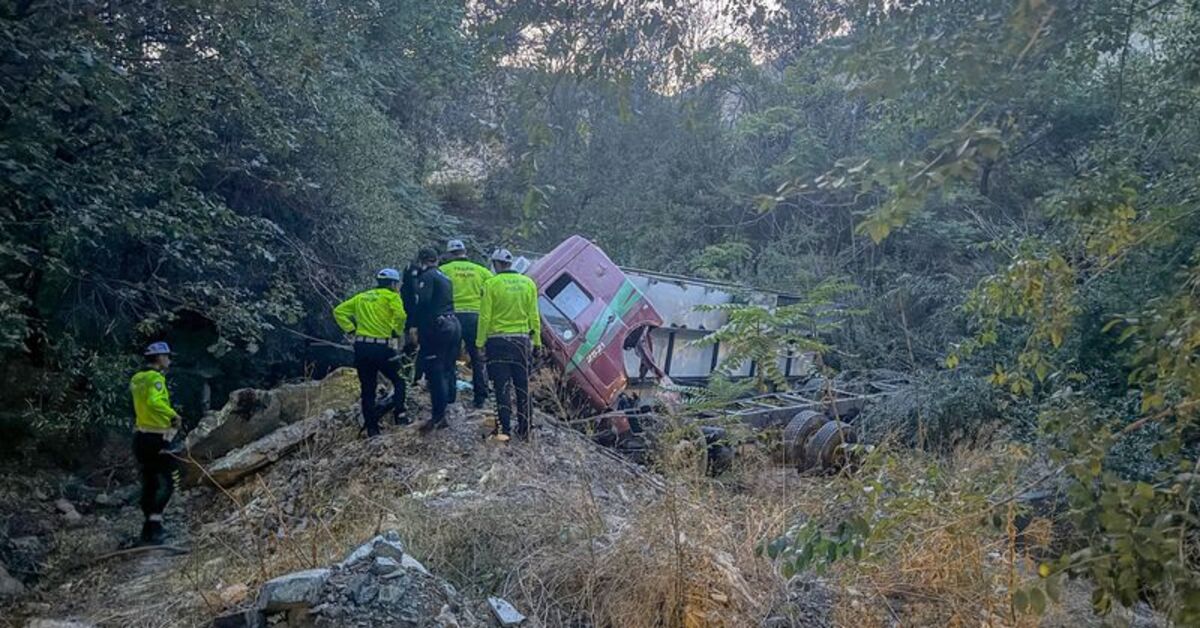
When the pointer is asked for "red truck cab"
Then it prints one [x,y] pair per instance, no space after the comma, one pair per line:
[591,313]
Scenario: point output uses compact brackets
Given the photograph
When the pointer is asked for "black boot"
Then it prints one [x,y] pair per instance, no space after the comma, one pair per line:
[157,534]
[153,533]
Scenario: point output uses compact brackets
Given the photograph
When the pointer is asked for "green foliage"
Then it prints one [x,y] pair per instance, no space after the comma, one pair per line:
[932,516]
[722,261]
[809,547]
[1010,180]
[207,168]
[1048,304]
[717,393]
[947,411]
[757,333]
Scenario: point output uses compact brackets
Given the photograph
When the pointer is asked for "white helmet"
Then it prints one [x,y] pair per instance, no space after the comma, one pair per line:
[502,255]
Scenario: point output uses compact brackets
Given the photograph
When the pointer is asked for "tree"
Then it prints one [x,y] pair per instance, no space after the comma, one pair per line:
[206,172]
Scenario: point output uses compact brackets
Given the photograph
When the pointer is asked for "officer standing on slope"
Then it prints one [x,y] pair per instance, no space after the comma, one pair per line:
[373,318]
[156,425]
[438,335]
[467,277]
[408,294]
[510,326]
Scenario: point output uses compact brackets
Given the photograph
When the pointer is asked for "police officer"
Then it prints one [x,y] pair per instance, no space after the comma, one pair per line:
[155,427]
[372,318]
[467,277]
[408,294]
[438,335]
[510,327]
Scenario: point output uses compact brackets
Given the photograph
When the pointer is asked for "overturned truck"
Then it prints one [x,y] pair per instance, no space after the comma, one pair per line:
[623,336]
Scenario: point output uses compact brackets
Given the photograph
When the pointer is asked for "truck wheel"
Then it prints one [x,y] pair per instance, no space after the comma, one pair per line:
[825,449]
[796,435]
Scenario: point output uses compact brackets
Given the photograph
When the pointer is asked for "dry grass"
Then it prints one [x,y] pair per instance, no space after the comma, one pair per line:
[933,556]
[573,537]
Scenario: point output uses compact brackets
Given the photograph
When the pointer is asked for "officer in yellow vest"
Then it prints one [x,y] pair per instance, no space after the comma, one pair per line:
[156,425]
[372,319]
[510,327]
[467,277]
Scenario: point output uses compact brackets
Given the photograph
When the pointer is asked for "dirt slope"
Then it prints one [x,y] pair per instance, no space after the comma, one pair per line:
[567,532]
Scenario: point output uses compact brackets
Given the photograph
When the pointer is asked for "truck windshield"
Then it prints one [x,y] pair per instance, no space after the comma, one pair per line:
[558,321]
[568,297]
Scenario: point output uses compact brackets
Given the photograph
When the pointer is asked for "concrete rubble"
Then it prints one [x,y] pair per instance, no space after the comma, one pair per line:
[377,584]
[293,590]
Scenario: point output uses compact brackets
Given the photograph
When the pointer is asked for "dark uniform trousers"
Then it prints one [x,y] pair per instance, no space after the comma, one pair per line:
[158,471]
[508,359]
[469,321]
[371,359]
[439,341]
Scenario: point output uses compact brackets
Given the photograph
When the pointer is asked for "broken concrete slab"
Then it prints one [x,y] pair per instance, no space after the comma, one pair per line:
[58,623]
[505,613]
[266,450]
[239,463]
[300,589]
[251,414]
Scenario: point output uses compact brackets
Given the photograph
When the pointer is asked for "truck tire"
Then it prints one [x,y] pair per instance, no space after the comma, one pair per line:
[825,450]
[796,435]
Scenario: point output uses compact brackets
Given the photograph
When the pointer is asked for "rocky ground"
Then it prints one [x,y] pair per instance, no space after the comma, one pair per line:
[297,520]
[563,530]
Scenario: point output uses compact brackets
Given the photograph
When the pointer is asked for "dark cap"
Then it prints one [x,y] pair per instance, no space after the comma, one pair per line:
[427,254]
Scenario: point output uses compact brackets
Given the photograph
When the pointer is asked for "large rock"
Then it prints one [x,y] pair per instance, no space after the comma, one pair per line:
[387,545]
[9,586]
[251,414]
[295,590]
[70,516]
[384,565]
[239,463]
